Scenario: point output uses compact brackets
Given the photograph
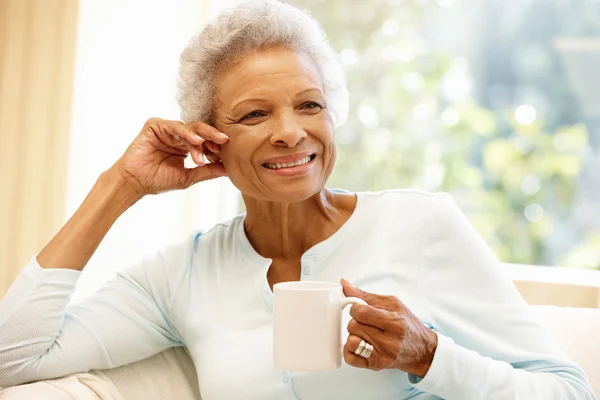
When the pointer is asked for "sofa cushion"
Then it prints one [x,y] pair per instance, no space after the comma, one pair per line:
[577,331]
[168,375]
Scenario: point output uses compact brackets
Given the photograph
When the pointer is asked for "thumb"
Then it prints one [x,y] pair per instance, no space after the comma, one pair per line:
[389,303]
[205,172]
[352,291]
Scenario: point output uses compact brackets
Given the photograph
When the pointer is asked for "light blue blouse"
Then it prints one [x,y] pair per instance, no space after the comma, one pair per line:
[211,295]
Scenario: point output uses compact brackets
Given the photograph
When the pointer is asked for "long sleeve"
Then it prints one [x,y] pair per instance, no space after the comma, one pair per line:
[43,337]
[490,344]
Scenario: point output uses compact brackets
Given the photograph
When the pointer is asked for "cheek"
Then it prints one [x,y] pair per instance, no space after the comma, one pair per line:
[323,129]
[329,160]
[333,153]
[240,147]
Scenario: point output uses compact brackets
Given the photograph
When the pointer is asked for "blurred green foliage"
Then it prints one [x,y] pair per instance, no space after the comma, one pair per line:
[423,115]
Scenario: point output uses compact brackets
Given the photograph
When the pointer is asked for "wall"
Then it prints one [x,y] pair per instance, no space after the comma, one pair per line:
[37,45]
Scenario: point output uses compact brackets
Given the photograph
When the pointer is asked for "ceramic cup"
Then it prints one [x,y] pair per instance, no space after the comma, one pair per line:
[307,322]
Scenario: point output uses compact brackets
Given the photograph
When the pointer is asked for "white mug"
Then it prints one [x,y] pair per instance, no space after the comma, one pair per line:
[307,333]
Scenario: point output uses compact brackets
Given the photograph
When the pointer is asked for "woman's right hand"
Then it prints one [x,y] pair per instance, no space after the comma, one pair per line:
[154,162]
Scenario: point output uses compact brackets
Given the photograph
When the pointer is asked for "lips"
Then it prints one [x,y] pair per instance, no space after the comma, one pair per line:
[291,164]
[292,158]
[288,170]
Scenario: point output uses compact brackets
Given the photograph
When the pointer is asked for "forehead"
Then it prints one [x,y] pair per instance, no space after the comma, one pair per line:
[276,69]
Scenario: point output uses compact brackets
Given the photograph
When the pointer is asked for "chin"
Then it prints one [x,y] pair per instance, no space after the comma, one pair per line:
[285,186]
[283,192]
[291,193]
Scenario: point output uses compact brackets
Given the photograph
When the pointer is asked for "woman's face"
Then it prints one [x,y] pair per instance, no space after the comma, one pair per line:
[272,107]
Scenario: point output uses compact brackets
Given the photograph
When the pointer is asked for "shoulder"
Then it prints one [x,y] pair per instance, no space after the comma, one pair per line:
[404,195]
[448,233]
[163,272]
[404,214]
[406,203]
[221,236]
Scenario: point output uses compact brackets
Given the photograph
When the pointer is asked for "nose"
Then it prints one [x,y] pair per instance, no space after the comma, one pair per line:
[287,132]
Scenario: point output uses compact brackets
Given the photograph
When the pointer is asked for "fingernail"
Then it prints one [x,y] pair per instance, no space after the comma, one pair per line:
[214,147]
[197,138]
[348,282]
[223,136]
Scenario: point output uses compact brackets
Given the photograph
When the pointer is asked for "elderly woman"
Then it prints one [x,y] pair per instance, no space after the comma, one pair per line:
[260,93]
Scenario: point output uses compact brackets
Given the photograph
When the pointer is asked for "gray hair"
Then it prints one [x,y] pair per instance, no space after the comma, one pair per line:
[248,27]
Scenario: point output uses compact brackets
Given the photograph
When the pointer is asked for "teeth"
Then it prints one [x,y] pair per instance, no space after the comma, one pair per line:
[287,165]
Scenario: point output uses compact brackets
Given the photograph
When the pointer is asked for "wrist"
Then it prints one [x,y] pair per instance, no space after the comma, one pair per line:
[429,347]
[119,187]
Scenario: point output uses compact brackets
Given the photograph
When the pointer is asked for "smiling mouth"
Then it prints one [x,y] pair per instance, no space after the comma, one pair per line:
[302,161]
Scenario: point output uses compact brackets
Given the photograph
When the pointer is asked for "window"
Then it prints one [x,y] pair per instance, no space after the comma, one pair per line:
[116,90]
[496,103]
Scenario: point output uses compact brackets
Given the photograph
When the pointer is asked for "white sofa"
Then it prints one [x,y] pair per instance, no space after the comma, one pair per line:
[167,375]
[171,374]
[577,331]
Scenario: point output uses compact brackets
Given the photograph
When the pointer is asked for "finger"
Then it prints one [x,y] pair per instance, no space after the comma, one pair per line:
[207,132]
[177,129]
[206,147]
[164,132]
[372,316]
[370,333]
[198,158]
[355,360]
[213,158]
[352,343]
[195,153]
[176,135]
[175,142]
[205,172]
[210,155]
[213,147]
[352,291]
[350,357]
[390,303]
[168,132]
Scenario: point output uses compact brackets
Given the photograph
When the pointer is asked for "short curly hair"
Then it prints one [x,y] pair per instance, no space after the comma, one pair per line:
[248,27]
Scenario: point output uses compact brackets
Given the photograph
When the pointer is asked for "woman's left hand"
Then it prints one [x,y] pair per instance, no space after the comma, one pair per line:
[399,338]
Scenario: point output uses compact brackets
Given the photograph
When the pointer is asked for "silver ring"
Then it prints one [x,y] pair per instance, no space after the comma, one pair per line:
[178,138]
[366,353]
[369,351]
[360,348]
[364,349]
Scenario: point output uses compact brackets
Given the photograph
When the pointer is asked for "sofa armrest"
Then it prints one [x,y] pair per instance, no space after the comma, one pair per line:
[168,375]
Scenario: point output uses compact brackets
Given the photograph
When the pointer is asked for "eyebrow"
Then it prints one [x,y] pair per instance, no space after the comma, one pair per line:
[261,100]
[307,90]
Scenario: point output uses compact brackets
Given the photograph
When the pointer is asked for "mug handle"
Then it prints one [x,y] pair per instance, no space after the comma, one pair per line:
[346,301]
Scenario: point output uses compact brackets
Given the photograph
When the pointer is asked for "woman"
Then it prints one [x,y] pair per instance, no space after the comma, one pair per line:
[260,93]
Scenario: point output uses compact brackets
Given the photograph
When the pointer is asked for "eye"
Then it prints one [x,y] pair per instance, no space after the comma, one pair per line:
[311,105]
[253,114]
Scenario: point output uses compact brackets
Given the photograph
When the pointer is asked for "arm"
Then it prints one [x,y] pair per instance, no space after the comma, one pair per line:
[490,346]
[76,242]
[41,337]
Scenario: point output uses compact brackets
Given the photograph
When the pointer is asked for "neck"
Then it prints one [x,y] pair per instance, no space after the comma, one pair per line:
[288,230]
